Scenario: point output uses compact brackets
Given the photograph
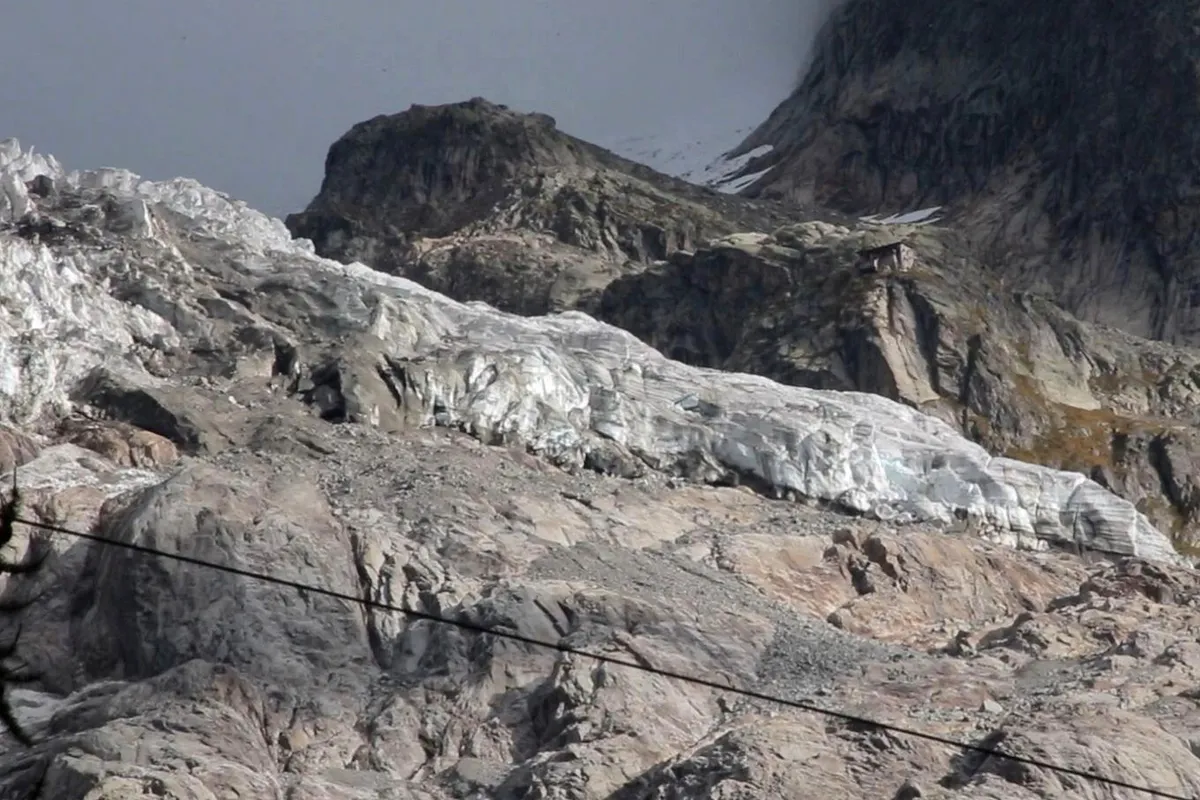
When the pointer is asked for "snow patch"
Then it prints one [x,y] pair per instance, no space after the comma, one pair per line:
[701,160]
[25,165]
[922,216]
[736,184]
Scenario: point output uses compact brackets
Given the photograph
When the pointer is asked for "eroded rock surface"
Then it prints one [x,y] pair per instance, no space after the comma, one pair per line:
[551,476]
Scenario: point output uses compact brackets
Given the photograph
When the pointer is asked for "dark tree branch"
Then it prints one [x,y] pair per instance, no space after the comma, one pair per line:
[9,675]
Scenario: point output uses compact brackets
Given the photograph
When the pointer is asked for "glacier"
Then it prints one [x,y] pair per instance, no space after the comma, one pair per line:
[574,390]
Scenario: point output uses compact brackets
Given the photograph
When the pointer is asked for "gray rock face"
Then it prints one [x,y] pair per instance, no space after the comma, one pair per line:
[125,630]
[1066,156]
[189,377]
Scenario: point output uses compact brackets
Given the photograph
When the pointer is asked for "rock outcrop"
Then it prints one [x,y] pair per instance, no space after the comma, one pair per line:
[188,377]
[1062,137]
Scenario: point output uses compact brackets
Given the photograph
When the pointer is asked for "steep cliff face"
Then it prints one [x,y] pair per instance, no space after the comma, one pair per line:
[1065,137]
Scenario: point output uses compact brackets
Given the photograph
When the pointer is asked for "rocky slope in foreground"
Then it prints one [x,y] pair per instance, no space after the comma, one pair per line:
[531,221]
[1064,136]
[184,375]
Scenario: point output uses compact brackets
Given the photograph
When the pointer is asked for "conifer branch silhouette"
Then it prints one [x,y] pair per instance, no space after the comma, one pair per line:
[10,676]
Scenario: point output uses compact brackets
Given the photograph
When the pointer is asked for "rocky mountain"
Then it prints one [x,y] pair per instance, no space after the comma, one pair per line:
[182,374]
[1061,136]
[483,203]
[1009,369]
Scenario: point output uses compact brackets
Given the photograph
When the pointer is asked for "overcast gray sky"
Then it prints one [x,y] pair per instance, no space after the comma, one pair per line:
[247,95]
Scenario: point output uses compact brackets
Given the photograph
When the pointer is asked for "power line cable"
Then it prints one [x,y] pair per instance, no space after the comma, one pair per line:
[605,659]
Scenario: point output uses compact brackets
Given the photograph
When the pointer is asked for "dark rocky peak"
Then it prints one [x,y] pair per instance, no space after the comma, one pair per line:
[1061,133]
[433,169]
[985,85]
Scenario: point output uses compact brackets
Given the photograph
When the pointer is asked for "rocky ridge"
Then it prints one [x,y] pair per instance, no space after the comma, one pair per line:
[180,373]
